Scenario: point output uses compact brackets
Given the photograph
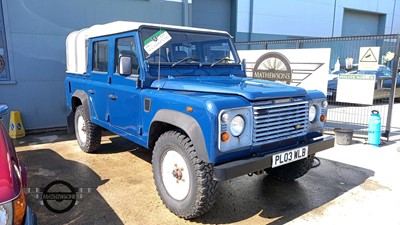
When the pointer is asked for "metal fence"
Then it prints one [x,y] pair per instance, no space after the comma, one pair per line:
[345,115]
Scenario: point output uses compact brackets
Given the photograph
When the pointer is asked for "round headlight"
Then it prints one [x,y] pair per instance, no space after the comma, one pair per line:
[237,126]
[312,113]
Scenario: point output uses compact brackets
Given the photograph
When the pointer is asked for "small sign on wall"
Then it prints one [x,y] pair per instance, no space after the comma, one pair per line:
[368,59]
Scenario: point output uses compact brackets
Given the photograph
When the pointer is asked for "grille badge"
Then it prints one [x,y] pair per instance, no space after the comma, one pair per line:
[282,100]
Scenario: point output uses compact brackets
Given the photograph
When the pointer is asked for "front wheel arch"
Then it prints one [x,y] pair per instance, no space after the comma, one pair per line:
[174,120]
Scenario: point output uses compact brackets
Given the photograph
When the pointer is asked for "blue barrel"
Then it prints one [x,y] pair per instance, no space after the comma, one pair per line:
[374,128]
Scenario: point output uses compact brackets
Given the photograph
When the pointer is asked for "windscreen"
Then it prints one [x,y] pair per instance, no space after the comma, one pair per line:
[186,47]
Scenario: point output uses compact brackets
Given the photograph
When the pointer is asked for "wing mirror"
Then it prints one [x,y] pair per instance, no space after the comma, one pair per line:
[125,65]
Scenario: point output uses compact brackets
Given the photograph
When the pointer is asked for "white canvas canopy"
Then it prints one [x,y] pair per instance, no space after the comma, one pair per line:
[76,42]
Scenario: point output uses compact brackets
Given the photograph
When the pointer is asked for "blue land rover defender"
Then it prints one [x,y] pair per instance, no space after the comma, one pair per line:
[183,93]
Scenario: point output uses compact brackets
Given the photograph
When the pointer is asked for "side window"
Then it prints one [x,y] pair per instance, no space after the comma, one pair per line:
[126,47]
[100,56]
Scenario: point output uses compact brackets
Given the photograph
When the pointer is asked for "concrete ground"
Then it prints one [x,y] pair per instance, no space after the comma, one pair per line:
[355,184]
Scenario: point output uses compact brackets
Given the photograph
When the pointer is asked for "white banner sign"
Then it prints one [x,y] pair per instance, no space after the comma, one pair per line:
[356,88]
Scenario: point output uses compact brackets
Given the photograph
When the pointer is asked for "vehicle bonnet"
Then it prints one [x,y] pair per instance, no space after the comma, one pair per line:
[249,88]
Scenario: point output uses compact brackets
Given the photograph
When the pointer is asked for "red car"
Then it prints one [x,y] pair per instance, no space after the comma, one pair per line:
[13,207]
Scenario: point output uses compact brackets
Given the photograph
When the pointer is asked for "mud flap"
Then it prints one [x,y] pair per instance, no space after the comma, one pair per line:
[70,123]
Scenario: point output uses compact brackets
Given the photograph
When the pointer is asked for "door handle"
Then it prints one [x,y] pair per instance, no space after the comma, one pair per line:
[91,91]
[112,97]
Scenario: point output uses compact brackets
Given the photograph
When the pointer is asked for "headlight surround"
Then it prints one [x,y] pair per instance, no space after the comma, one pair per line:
[316,121]
[237,125]
[6,213]
[312,114]
[235,130]
[13,212]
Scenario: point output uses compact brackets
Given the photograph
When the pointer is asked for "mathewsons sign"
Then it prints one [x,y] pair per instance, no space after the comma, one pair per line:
[273,66]
[306,68]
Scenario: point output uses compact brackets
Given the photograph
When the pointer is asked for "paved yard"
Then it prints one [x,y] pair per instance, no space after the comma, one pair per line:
[355,184]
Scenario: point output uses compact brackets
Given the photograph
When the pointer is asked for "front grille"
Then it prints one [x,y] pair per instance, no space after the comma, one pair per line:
[277,122]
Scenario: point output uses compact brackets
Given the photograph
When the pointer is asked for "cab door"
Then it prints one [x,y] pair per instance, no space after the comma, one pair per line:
[124,92]
[98,69]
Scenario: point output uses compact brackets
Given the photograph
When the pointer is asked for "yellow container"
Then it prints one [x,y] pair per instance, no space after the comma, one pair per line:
[16,129]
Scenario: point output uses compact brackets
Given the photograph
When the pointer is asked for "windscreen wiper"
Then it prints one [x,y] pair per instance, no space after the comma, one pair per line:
[222,59]
[184,59]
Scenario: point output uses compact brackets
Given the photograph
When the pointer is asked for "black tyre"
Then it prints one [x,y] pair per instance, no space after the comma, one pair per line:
[87,133]
[184,182]
[291,171]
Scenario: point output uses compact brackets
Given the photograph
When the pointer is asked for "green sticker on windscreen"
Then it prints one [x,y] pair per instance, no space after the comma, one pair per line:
[155,41]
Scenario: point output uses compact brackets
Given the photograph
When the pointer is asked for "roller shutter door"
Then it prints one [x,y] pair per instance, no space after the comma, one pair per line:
[357,23]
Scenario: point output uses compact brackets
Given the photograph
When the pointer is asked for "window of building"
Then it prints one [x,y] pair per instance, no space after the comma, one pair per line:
[100,56]
[4,71]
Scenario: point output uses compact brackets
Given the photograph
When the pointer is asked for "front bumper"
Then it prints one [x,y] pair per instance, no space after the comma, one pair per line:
[241,167]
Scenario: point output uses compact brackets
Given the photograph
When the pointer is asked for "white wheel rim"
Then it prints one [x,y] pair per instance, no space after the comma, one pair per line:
[81,129]
[177,187]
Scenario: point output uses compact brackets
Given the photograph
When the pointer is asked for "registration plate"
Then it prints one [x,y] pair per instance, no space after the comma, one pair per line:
[289,156]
